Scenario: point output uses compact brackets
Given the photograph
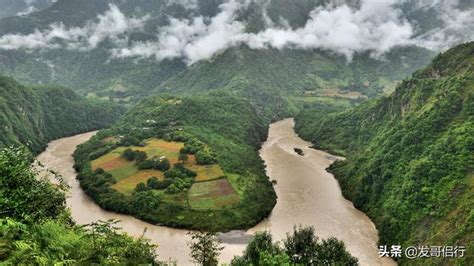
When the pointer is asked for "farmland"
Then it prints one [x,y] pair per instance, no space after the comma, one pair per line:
[210,189]
[212,195]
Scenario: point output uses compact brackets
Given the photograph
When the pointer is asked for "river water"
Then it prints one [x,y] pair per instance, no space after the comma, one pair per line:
[307,195]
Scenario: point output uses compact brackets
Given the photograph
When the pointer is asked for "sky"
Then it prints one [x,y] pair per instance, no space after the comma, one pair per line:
[375,26]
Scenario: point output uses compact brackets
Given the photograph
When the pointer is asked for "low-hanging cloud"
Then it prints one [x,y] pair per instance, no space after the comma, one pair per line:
[372,25]
[375,26]
[458,26]
[110,25]
[193,40]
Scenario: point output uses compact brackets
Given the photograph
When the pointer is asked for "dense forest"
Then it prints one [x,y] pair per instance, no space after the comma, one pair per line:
[410,155]
[33,116]
[227,124]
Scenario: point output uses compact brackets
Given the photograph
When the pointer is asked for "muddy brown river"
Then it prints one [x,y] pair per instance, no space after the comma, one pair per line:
[307,195]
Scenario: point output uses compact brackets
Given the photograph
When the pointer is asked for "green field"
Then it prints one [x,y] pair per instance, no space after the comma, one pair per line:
[212,195]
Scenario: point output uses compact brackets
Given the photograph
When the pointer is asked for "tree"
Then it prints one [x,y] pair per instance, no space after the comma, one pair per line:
[140,187]
[23,196]
[35,227]
[128,154]
[302,245]
[153,183]
[205,248]
[163,165]
[132,155]
[204,157]
[333,252]
[183,157]
[280,259]
[300,248]
[140,156]
[261,244]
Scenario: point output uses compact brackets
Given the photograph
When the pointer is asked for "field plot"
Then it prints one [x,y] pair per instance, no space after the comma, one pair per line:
[204,172]
[127,185]
[117,166]
[212,195]
[159,147]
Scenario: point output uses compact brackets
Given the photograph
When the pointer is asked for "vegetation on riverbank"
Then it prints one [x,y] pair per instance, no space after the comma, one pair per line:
[215,179]
[301,247]
[410,155]
[36,228]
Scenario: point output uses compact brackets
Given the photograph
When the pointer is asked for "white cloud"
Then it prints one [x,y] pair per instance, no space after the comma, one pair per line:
[188,4]
[375,26]
[458,26]
[110,25]
[28,10]
[194,40]
[371,25]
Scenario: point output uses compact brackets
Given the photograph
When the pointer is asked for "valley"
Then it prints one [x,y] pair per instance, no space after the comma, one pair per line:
[240,132]
[321,204]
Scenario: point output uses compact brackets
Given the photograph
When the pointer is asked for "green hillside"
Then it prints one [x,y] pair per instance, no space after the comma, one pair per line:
[410,155]
[280,81]
[219,132]
[35,116]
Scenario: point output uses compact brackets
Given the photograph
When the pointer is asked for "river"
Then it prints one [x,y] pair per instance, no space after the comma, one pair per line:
[307,195]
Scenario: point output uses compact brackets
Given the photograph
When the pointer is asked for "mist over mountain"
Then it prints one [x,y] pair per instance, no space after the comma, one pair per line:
[126,49]
[189,33]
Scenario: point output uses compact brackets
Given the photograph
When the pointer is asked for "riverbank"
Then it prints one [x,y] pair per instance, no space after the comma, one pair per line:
[307,195]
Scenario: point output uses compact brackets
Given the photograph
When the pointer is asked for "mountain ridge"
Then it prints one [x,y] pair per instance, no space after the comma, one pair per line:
[35,116]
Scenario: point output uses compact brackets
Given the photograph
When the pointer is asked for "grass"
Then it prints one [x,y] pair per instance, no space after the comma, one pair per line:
[211,195]
[239,183]
[125,171]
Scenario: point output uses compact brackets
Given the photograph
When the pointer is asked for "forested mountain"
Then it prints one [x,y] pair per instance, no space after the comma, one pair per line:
[117,65]
[33,116]
[410,155]
[292,72]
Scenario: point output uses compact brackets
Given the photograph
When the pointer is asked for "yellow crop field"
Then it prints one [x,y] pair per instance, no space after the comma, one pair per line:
[127,185]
